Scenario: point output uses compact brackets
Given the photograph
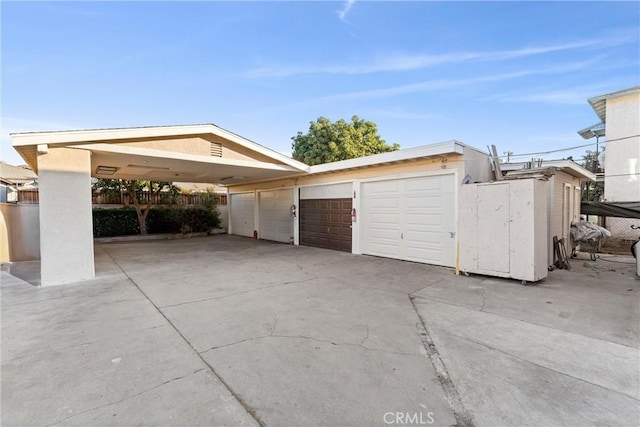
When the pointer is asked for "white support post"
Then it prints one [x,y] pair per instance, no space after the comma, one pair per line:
[66,223]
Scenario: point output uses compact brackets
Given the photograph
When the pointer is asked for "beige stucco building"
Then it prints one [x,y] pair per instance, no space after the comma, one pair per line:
[402,204]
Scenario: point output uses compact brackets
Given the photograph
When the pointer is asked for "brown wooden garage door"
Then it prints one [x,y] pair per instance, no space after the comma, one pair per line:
[326,223]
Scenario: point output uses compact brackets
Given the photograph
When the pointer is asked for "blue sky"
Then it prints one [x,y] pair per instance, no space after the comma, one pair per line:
[514,74]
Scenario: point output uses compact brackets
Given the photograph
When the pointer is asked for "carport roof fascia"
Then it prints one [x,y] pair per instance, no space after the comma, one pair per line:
[438,149]
[107,148]
[90,136]
[568,166]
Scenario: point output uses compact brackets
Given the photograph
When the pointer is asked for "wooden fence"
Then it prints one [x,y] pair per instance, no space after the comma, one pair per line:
[30,196]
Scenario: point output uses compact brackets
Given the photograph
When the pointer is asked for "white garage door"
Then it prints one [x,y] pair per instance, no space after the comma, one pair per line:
[276,222]
[242,222]
[411,219]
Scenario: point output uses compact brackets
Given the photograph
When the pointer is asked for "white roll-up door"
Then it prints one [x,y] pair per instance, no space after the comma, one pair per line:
[276,221]
[411,219]
[242,214]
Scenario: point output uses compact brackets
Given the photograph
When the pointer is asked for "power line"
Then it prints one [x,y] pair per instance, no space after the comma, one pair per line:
[549,152]
[568,148]
[622,174]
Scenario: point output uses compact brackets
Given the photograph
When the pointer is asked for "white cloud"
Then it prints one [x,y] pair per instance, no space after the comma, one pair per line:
[405,62]
[443,84]
[346,8]
[576,95]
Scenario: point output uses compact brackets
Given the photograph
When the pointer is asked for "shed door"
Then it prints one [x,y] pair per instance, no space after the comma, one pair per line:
[276,221]
[411,219]
[326,223]
[242,222]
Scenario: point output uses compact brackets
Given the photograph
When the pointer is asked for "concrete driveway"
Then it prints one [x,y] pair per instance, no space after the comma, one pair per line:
[226,330]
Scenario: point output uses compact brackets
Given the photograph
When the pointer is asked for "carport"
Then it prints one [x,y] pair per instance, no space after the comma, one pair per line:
[66,161]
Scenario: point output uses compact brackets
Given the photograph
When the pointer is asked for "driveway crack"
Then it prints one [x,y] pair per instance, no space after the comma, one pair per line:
[82,344]
[366,337]
[246,407]
[304,337]
[239,293]
[115,402]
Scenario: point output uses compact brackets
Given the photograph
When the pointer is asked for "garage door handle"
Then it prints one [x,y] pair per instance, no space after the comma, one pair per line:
[402,235]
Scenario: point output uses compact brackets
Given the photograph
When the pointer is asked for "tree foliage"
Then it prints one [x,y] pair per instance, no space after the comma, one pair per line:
[135,190]
[592,191]
[330,142]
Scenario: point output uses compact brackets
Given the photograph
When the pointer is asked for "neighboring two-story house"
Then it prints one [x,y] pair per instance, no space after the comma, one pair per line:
[619,113]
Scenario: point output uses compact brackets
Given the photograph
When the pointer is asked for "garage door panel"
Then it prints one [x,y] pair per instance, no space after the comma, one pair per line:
[326,223]
[418,219]
[423,185]
[384,247]
[384,203]
[383,222]
[414,223]
[242,214]
[424,202]
[415,237]
[420,254]
[276,222]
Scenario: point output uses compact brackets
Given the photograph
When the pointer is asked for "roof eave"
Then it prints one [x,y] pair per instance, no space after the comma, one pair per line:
[592,131]
[439,149]
[599,103]
[567,166]
[93,135]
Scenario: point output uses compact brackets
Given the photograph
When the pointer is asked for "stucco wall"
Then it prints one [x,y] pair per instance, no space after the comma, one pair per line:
[19,232]
[477,165]
[451,162]
[190,145]
[622,158]
[223,210]
[201,146]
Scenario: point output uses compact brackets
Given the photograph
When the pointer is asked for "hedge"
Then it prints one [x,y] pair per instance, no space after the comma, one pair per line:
[173,219]
[115,222]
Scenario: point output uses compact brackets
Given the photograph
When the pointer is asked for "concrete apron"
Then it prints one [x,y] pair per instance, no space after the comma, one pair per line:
[565,352]
[230,331]
[222,331]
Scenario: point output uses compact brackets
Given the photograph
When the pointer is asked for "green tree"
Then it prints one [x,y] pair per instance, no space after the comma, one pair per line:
[330,142]
[592,191]
[141,193]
